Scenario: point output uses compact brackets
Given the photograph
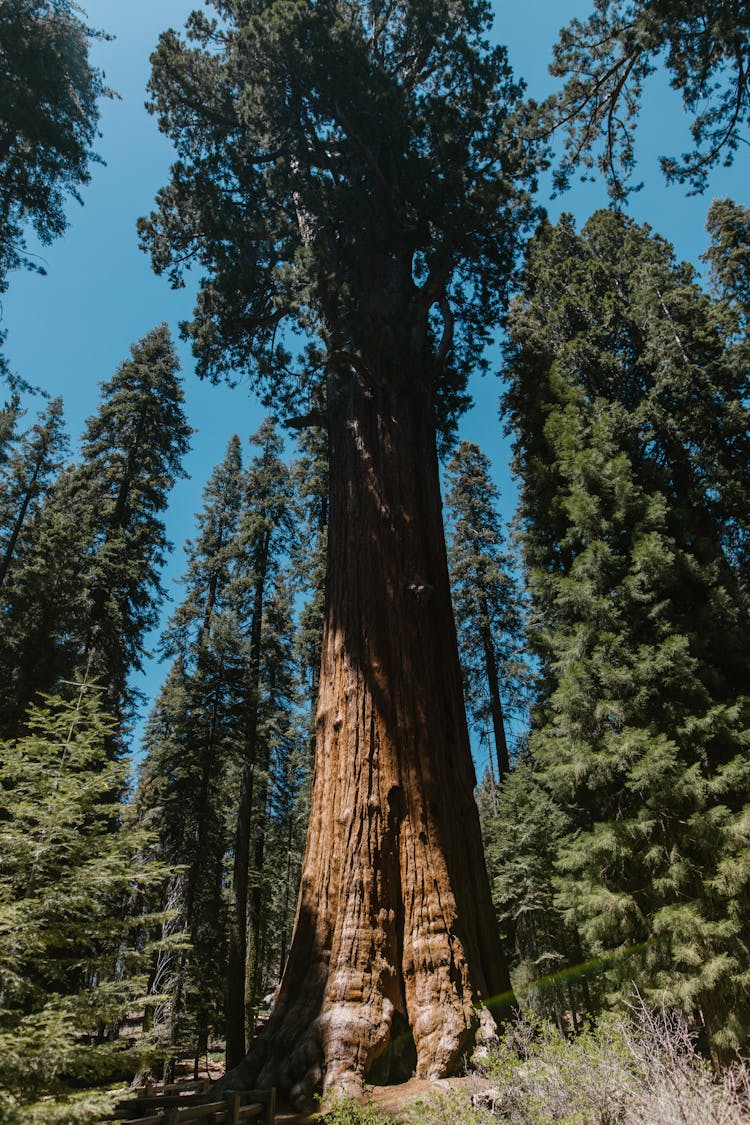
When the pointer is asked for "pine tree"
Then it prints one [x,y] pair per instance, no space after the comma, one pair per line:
[89,587]
[311,490]
[729,259]
[264,533]
[640,734]
[193,736]
[29,474]
[522,827]
[486,599]
[39,563]
[350,174]
[223,732]
[72,963]
[9,416]
[132,452]
[280,807]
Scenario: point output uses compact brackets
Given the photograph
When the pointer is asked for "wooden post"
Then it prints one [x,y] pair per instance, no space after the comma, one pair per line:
[233,1107]
[271,1106]
[170,1115]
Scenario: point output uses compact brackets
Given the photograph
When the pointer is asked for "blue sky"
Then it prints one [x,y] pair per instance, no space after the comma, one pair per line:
[68,331]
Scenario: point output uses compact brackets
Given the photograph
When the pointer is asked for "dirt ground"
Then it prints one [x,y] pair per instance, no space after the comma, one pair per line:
[392,1099]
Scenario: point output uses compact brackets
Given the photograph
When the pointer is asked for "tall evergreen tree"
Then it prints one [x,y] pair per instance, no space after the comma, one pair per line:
[72,962]
[39,570]
[625,417]
[9,416]
[486,598]
[522,826]
[279,807]
[350,172]
[193,736]
[220,748]
[729,259]
[29,473]
[131,455]
[89,587]
[263,534]
[310,479]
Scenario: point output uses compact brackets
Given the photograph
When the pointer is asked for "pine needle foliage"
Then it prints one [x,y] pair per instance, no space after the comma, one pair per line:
[625,406]
[606,60]
[49,95]
[73,888]
[486,600]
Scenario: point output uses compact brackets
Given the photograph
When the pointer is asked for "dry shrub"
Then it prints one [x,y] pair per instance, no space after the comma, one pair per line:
[637,1069]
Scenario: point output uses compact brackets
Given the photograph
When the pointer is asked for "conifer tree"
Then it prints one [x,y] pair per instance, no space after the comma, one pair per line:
[486,599]
[9,416]
[89,587]
[132,452]
[263,534]
[729,259]
[40,568]
[221,746]
[279,805]
[522,826]
[28,476]
[311,490]
[72,962]
[624,412]
[350,173]
[193,736]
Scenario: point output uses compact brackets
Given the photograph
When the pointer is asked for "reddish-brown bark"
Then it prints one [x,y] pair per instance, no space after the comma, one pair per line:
[395,934]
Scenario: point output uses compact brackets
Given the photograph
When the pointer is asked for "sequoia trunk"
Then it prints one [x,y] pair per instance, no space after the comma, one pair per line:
[395,953]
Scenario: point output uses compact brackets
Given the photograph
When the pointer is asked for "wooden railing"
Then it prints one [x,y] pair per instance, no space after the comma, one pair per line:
[174,1106]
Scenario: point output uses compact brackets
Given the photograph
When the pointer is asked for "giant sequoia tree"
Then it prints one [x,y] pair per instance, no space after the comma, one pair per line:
[347,170]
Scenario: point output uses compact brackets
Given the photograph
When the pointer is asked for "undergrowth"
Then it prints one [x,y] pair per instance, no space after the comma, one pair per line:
[637,1069]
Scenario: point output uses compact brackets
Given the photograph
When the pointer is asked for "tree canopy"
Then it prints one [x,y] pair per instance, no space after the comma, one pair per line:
[344,169]
[605,59]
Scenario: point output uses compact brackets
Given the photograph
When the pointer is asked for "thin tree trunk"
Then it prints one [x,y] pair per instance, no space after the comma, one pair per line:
[496,706]
[20,518]
[395,927]
[236,1043]
[257,901]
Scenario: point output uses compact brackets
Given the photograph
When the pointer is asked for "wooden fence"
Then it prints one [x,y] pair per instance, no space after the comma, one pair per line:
[180,1103]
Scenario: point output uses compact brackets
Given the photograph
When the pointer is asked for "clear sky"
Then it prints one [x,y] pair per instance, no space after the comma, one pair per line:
[68,331]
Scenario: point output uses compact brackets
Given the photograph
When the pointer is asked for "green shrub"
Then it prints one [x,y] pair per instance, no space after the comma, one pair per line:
[451,1108]
[348,1111]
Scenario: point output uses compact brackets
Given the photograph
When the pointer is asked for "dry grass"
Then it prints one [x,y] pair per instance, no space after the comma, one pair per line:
[641,1069]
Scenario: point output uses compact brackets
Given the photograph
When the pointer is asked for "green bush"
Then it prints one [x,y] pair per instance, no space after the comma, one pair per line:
[348,1111]
[451,1108]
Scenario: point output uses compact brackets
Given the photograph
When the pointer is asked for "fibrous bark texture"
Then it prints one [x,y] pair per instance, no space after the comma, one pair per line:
[395,952]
